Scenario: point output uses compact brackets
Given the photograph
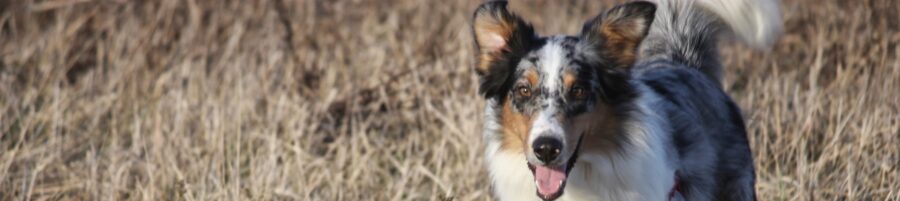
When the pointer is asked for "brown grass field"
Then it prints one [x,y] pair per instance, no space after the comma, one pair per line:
[375,100]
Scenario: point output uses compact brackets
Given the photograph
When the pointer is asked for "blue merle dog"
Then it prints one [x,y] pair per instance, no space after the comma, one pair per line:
[629,109]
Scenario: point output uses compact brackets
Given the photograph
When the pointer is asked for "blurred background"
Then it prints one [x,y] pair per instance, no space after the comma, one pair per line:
[376,100]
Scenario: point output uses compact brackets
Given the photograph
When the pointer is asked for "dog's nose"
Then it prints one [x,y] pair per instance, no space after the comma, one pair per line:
[546,149]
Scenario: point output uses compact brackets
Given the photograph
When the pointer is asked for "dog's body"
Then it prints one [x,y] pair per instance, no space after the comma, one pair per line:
[628,110]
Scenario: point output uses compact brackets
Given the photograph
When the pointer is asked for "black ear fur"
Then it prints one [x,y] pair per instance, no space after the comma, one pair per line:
[502,39]
[616,34]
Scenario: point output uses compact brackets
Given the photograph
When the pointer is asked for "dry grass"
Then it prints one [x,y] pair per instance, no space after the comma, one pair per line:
[374,100]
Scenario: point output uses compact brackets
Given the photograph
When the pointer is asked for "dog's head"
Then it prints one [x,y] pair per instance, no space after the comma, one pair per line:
[554,91]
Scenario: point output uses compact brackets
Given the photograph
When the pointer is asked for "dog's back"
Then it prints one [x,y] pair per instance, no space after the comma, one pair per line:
[679,62]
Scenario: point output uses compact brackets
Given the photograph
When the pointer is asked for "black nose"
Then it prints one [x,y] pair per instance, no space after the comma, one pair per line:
[546,149]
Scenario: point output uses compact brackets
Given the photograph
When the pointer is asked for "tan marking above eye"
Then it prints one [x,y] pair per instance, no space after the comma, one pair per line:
[531,76]
[569,79]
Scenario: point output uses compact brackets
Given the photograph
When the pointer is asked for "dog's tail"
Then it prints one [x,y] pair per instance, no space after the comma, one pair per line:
[686,31]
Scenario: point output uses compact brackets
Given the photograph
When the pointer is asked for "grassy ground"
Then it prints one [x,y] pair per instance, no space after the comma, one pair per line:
[374,100]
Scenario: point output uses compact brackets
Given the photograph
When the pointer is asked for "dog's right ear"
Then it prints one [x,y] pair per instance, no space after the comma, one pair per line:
[502,39]
[616,33]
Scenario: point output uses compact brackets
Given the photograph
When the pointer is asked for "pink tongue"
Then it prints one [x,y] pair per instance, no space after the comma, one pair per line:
[549,179]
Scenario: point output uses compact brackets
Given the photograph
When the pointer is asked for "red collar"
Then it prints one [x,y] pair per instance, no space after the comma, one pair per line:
[675,188]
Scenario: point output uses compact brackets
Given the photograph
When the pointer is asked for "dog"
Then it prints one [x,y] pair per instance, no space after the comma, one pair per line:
[629,109]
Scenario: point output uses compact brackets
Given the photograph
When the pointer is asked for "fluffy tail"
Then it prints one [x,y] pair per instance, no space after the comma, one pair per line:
[686,31]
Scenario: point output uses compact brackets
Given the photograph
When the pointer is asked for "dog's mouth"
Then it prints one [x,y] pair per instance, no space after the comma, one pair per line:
[550,180]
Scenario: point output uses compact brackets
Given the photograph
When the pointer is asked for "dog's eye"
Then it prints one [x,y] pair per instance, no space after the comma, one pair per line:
[523,91]
[578,92]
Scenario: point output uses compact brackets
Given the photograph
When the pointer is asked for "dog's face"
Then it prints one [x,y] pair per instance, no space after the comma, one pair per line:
[554,91]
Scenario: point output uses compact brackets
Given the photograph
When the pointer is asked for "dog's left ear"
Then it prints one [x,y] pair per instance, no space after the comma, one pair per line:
[502,39]
[616,33]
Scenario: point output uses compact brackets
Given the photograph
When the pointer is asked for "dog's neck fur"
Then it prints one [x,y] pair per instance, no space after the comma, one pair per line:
[639,171]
